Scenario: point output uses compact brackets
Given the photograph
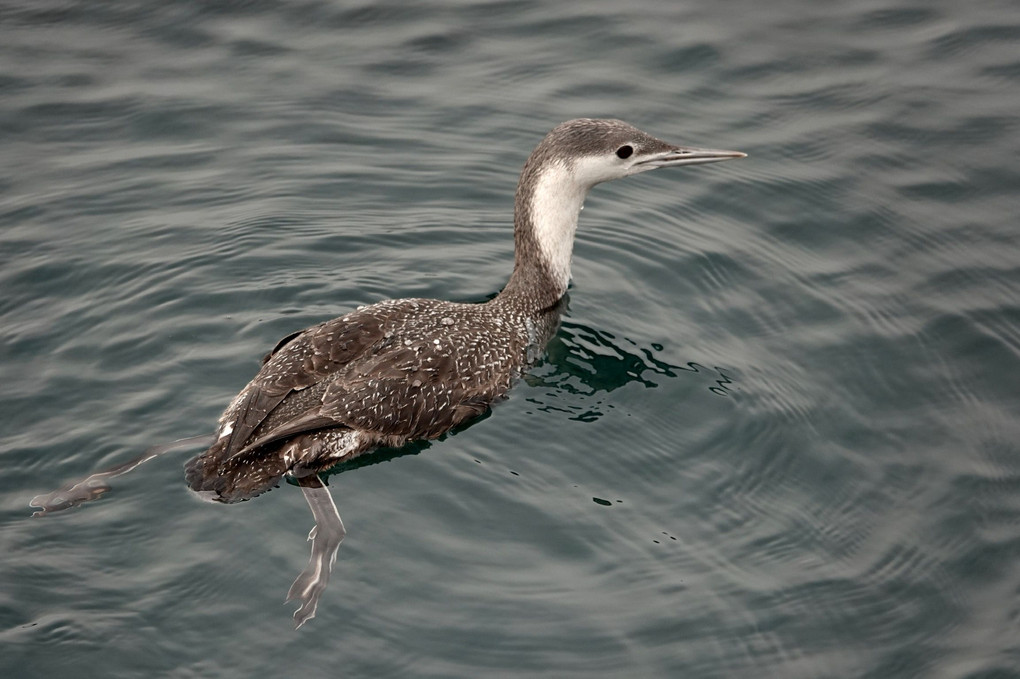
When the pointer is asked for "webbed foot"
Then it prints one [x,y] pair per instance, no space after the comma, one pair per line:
[70,495]
[326,536]
[94,485]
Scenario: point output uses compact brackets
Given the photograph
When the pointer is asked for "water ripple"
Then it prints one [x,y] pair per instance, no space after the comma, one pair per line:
[776,433]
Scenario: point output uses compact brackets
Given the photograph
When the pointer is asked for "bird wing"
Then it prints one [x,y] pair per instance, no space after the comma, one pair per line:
[276,401]
[298,362]
[415,392]
[393,393]
[362,372]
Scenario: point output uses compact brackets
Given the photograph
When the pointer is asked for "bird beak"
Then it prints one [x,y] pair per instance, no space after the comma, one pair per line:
[684,155]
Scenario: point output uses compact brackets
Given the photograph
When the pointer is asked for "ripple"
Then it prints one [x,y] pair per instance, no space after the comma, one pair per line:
[957,43]
[792,378]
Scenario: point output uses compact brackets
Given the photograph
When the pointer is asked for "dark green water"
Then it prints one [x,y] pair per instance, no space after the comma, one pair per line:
[777,435]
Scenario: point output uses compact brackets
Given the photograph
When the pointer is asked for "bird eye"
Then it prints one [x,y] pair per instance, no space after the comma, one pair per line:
[624,151]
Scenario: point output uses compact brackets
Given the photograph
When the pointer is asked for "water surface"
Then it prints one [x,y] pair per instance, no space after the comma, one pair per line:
[776,436]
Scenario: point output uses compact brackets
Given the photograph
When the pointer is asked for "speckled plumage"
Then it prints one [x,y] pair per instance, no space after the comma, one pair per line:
[383,375]
[411,369]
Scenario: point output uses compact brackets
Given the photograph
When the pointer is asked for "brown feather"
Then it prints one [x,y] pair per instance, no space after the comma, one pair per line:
[386,374]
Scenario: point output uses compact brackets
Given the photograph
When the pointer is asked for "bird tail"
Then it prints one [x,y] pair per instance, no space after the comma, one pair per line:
[235,478]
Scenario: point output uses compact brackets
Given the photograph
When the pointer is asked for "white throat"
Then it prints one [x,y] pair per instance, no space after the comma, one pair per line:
[555,205]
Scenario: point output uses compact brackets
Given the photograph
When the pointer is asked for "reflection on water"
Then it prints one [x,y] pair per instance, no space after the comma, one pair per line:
[588,362]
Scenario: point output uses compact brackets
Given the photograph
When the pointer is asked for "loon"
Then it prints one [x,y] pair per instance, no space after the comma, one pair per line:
[408,369]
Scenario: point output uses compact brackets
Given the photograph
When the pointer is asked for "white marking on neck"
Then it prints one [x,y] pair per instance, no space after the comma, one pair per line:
[555,205]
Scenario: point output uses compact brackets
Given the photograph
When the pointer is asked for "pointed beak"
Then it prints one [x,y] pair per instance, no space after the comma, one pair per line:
[684,155]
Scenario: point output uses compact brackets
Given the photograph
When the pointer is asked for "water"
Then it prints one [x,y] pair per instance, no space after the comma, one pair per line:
[777,435]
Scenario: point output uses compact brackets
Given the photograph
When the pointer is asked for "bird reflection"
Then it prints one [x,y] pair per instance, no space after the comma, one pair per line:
[585,361]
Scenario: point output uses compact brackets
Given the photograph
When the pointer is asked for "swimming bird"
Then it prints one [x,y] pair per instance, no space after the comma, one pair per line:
[412,369]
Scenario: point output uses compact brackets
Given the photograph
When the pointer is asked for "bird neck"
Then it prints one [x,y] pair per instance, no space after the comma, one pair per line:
[546,209]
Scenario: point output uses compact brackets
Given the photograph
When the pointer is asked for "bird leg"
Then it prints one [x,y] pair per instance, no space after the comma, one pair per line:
[326,536]
[93,486]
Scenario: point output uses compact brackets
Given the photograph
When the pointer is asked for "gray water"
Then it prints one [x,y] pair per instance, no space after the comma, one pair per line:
[777,435]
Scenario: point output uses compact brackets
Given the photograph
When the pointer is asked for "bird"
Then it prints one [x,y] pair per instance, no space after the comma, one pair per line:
[412,369]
